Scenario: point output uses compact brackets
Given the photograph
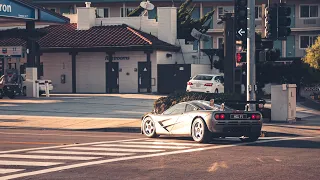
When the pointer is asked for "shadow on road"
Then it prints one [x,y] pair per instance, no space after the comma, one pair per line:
[308,144]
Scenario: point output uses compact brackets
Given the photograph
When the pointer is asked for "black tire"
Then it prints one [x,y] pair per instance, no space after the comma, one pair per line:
[1,94]
[250,138]
[24,91]
[200,132]
[11,95]
[148,127]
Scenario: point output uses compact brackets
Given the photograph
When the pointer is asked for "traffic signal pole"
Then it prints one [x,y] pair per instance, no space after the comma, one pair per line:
[251,66]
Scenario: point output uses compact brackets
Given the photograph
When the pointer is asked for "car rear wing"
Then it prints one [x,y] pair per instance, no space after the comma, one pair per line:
[260,103]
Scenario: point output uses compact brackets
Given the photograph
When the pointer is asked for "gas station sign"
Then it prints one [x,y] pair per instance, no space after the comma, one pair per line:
[14,9]
[14,51]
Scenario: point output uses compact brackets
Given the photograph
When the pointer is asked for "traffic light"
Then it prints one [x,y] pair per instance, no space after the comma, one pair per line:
[284,21]
[240,14]
[271,22]
[241,57]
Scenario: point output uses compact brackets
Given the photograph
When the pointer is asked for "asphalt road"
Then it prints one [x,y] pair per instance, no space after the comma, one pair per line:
[34,154]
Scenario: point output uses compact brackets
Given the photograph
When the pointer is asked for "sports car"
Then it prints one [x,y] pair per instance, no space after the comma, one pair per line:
[202,122]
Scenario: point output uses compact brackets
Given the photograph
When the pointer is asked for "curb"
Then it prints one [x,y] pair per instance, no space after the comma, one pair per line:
[121,129]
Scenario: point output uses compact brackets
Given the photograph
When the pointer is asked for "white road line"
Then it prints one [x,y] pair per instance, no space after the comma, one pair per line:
[141,157]
[6,171]
[71,145]
[80,153]
[47,157]
[28,163]
[141,146]
[66,135]
[166,143]
[113,149]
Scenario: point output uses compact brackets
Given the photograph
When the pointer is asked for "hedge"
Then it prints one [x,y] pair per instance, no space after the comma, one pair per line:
[164,103]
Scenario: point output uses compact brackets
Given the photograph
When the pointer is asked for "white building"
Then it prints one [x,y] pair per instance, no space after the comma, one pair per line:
[76,57]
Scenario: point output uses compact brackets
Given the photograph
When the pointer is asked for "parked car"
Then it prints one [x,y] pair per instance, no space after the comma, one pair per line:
[208,83]
[42,85]
[202,122]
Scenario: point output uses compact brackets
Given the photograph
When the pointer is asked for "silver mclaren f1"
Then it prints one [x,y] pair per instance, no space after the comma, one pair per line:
[203,121]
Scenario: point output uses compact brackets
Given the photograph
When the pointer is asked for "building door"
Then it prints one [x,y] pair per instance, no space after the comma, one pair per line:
[144,77]
[112,77]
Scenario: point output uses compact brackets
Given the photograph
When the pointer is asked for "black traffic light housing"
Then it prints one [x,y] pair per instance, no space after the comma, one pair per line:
[241,22]
[284,21]
[271,22]
[273,55]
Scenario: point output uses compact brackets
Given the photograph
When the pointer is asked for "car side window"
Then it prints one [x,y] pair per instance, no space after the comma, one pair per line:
[190,108]
[170,110]
[217,79]
[177,109]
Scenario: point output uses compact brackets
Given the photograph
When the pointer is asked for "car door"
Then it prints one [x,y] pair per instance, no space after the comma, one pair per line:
[183,123]
[169,118]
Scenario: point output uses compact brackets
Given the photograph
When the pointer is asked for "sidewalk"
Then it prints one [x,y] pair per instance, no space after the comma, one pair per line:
[113,113]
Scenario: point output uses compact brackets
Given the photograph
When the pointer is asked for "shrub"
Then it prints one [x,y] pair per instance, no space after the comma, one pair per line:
[164,103]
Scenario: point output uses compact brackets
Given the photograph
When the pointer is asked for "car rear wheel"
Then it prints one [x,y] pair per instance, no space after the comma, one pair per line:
[250,138]
[149,128]
[200,132]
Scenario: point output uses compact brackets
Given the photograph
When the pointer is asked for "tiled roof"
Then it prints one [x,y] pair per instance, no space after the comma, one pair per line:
[67,36]
[12,42]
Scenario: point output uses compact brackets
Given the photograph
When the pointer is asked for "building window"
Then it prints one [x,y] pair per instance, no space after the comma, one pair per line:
[220,12]
[306,41]
[102,13]
[258,12]
[309,11]
[128,11]
[220,43]
[53,9]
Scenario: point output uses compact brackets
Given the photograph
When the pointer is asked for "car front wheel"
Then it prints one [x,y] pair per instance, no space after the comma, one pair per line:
[149,128]
[200,132]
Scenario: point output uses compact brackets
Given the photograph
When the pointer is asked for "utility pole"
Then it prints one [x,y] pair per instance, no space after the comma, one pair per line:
[251,66]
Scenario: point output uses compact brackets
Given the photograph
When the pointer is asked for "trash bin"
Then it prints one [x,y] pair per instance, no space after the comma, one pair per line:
[283,102]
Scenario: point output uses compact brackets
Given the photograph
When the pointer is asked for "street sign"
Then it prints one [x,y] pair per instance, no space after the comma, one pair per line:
[15,51]
[241,32]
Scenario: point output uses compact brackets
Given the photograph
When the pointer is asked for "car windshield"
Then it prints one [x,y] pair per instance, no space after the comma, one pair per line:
[203,77]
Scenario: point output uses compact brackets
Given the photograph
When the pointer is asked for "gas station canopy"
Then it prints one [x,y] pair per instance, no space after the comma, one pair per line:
[18,12]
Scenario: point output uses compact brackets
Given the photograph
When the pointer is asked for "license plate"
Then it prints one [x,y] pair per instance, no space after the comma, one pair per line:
[198,84]
[238,116]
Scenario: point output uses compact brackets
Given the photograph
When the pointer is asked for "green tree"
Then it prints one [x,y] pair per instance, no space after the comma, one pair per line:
[313,55]
[185,22]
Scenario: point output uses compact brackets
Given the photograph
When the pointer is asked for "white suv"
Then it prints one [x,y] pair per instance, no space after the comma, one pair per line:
[208,83]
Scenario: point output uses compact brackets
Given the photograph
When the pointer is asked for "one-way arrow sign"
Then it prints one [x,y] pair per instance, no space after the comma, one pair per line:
[241,32]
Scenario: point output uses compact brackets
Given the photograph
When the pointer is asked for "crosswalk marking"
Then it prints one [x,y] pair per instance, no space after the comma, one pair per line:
[6,171]
[113,149]
[28,163]
[141,146]
[47,157]
[163,142]
[80,153]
